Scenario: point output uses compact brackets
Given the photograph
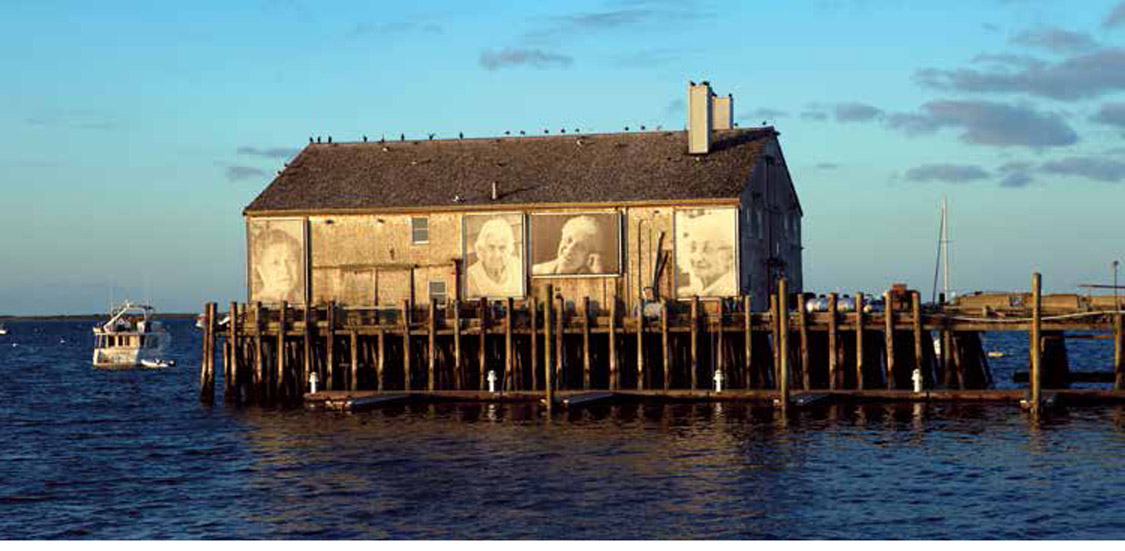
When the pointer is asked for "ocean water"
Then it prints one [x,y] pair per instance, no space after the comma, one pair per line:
[132,454]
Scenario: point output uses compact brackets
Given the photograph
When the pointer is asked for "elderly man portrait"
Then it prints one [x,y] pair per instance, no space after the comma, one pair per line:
[578,251]
[498,269]
[277,264]
[707,254]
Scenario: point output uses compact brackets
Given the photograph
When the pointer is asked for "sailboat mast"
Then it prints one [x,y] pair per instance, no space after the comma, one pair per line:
[945,245]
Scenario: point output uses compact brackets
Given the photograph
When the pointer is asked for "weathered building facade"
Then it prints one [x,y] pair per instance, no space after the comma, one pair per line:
[710,212]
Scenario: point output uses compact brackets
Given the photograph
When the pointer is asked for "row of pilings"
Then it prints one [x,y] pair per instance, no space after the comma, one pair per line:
[274,355]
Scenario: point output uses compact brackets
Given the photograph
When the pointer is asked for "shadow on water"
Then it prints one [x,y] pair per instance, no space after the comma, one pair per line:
[132,454]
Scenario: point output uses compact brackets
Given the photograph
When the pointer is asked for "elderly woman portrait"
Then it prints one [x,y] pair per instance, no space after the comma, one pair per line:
[706,253]
[498,270]
[585,246]
[276,270]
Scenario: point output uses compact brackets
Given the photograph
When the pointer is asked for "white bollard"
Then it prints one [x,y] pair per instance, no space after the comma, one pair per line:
[313,379]
[718,381]
[492,381]
[917,378]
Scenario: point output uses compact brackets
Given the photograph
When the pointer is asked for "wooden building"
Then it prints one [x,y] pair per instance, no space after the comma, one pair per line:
[709,212]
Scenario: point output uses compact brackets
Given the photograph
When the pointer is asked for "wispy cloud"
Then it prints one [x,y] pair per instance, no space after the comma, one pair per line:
[617,16]
[238,173]
[949,173]
[988,123]
[763,113]
[269,153]
[675,107]
[360,30]
[1116,17]
[1112,114]
[515,57]
[856,112]
[814,115]
[1055,40]
[1082,76]
[1092,168]
[827,166]
[75,119]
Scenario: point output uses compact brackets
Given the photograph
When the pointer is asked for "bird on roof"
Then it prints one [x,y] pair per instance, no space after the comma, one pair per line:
[318,139]
[402,137]
[642,127]
[365,138]
[329,139]
[310,139]
[563,131]
[460,135]
[522,133]
[626,128]
[431,136]
[577,130]
[546,130]
[507,132]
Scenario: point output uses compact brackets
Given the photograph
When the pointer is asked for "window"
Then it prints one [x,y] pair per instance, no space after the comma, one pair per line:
[437,292]
[420,230]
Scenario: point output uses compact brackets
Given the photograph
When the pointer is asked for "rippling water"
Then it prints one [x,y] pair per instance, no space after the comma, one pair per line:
[88,453]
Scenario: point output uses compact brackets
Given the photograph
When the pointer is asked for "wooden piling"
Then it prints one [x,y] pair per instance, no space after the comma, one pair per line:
[748,363]
[381,361]
[1035,337]
[431,346]
[775,329]
[533,313]
[330,349]
[406,371]
[641,345]
[1118,352]
[916,322]
[665,347]
[833,344]
[235,340]
[783,352]
[354,349]
[586,343]
[695,343]
[721,364]
[548,365]
[509,353]
[889,334]
[560,356]
[803,328]
[614,381]
[458,365]
[859,341]
[482,351]
[302,378]
[257,382]
[282,379]
[206,382]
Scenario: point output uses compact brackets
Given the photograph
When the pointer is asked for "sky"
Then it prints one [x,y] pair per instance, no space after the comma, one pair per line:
[135,132]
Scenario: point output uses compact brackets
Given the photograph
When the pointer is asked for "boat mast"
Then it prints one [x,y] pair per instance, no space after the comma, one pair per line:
[945,245]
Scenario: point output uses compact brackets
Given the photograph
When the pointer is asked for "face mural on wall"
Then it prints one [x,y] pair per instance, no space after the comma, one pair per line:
[706,261]
[494,245]
[575,244]
[277,260]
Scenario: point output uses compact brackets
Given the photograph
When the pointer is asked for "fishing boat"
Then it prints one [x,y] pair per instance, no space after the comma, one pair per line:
[3,329]
[130,337]
[159,363]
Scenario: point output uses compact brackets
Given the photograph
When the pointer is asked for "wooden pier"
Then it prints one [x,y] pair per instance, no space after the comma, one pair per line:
[554,347]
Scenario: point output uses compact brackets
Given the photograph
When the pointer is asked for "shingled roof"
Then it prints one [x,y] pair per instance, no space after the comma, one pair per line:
[641,166]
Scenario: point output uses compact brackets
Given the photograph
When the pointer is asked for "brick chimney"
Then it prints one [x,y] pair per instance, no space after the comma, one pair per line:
[699,118]
[722,112]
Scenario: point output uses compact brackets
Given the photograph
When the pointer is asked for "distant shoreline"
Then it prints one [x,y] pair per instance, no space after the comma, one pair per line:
[86,317]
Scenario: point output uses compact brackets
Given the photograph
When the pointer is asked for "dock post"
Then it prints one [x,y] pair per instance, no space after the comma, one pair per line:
[548,365]
[614,383]
[802,323]
[509,353]
[586,343]
[695,343]
[1036,345]
[859,341]
[748,364]
[533,313]
[235,365]
[949,374]
[560,357]
[206,390]
[666,349]
[310,325]
[407,376]
[916,322]
[1118,346]
[833,344]
[482,359]
[783,352]
[431,345]
[775,329]
[354,348]
[641,345]
[889,334]
[458,370]
[330,348]
[721,364]
[280,393]
[381,361]
[256,383]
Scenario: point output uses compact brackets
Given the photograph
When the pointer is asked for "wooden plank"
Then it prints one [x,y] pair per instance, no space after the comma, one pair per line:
[588,399]
[833,344]
[482,351]
[614,382]
[808,399]
[509,353]
[586,343]
[1072,377]
[783,352]
[354,348]
[407,378]
[665,347]
[376,402]
[916,326]
[859,303]
[748,322]
[1036,339]
[889,336]
[803,328]
[431,346]
[330,346]
[694,343]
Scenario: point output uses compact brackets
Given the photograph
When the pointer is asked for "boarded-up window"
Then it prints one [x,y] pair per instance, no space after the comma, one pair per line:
[420,230]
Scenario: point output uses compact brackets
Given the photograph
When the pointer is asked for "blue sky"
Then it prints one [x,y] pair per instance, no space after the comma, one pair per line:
[135,132]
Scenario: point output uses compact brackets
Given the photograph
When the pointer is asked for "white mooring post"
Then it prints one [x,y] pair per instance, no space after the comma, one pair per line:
[492,380]
[718,380]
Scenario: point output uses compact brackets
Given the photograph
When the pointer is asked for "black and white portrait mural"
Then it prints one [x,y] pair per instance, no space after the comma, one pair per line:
[277,260]
[706,261]
[575,244]
[494,245]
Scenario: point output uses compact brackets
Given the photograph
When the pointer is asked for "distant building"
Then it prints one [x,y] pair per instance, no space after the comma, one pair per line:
[710,212]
